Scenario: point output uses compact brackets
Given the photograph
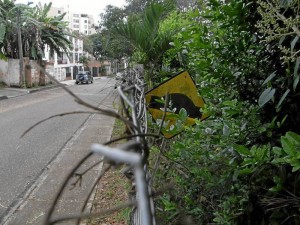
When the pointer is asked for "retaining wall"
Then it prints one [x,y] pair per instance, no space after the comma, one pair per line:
[9,73]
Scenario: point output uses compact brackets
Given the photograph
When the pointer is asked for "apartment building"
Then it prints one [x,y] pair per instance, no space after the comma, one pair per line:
[82,23]
[78,22]
[67,66]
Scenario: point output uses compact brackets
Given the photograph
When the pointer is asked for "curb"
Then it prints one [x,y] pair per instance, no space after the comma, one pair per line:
[2,97]
[42,88]
[30,91]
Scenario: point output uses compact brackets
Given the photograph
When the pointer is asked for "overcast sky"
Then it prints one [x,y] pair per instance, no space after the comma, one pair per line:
[93,7]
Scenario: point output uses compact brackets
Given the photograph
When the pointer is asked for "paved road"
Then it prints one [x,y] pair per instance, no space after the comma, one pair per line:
[23,160]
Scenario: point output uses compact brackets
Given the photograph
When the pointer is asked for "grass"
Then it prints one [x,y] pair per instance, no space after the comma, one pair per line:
[112,190]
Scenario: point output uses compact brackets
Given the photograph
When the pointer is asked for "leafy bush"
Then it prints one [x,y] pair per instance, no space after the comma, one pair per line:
[239,166]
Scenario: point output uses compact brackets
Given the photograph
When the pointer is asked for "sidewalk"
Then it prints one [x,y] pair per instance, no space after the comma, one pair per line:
[8,92]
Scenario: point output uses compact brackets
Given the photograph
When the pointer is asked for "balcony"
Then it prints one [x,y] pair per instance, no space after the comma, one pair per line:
[62,61]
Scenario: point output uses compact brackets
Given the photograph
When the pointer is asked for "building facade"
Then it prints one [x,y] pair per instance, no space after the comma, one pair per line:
[79,24]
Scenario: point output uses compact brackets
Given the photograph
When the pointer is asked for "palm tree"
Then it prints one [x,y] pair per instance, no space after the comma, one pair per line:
[2,25]
[144,35]
[38,30]
[26,31]
[8,39]
[51,32]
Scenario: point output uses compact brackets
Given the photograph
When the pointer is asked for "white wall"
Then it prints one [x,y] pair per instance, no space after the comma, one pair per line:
[3,70]
[12,77]
[9,72]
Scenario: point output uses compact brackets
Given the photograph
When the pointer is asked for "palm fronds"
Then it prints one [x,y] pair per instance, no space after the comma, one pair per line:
[143,32]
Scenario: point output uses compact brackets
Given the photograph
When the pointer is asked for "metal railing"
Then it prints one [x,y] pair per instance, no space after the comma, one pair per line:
[132,92]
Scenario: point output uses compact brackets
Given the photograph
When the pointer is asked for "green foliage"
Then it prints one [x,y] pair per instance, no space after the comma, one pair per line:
[136,6]
[143,33]
[83,59]
[279,22]
[279,29]
[2,32]
[107,44]
[111,16]
[174,24]
[88,45]
[289,153]
[230,168]
[241,165]
[37,30]
[266,96]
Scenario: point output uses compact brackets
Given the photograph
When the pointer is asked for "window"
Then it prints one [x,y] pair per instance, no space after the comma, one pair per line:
[75,26]
[75,21]
[85,21]
[85,26]
[85,32]
[75,15]
[59,12]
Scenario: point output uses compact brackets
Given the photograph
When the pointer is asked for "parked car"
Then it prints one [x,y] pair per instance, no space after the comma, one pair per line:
[84,77]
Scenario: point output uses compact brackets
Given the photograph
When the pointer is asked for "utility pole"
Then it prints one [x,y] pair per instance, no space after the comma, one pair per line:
[22,75]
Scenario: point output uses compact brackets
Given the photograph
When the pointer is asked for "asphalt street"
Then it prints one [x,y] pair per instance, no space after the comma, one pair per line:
[24,160]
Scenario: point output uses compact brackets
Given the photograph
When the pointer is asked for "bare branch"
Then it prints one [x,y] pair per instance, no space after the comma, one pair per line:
[55,201]
[80,175]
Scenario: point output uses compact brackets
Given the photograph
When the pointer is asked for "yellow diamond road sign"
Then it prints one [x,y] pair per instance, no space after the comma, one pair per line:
[182,93]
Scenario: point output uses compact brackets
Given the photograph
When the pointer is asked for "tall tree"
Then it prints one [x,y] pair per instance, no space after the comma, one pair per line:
[50,31]
[11,20]
[143,33]
[185,5]
[108,44]
[137,6]
[111,16]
